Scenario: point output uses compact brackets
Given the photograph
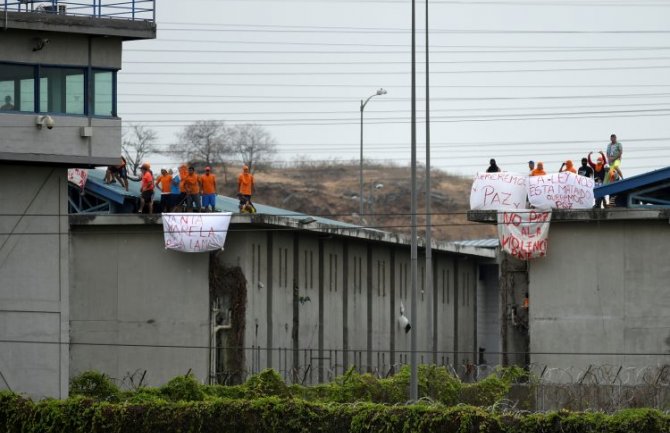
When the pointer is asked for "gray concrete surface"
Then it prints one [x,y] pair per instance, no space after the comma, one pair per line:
[22,140]
[85,25]
[34,280]
[135,306]
[600,296]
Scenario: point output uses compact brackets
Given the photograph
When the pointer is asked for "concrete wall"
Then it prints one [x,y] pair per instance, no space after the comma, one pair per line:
[315,305]
[466,301]
[343,296]
[488,316]
[444,284]
[63,49]
[135,306]
[603,288]
[34,285]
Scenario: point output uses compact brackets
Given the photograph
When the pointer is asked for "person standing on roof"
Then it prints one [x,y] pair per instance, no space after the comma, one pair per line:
[600,170]
[164,183]
[539,170]
[146,188]
[531,166]
[585,170]
[614,150]
[245,186]
[614,153]
[208,184]
[493,167]
[177,197]
[568,166]
[192,190]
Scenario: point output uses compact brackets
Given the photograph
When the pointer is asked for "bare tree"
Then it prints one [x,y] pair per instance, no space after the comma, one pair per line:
[252,144]
[203,141]
[138,141]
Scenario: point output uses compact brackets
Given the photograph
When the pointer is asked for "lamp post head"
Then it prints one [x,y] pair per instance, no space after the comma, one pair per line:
[381,91]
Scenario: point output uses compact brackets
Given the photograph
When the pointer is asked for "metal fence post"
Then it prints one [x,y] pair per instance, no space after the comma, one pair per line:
[133,10]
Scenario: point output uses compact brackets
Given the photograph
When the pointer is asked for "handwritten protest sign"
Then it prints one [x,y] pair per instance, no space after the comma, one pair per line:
[524,234]
[498,191]
[560,191]
[77,176]
[195,233]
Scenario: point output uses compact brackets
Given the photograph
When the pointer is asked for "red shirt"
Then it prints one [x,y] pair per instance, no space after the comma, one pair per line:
[147,181]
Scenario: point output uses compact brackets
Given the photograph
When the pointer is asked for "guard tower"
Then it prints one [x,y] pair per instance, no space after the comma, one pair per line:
[58,109]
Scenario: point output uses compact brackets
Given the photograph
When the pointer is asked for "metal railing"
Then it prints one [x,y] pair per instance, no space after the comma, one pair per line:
[134,10]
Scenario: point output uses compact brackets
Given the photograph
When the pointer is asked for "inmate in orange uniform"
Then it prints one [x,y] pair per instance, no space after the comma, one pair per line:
[164,183]
[192,189]
[245,187]
[208,183]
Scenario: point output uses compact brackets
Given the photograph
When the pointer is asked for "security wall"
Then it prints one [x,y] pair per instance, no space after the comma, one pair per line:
[318,304]
[601,297]
[137,310]
[34,283]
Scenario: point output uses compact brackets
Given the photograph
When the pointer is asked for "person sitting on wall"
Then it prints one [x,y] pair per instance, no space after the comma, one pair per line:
[246,206]
[8,106]
[118,173]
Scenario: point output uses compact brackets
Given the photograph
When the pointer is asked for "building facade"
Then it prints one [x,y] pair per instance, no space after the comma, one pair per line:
[598,300]
[309,302]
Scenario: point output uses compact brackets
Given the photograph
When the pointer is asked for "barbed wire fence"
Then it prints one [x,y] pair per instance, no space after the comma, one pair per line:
[594,387]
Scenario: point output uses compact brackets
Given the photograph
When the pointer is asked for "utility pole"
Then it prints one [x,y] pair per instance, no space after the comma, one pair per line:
[414,379]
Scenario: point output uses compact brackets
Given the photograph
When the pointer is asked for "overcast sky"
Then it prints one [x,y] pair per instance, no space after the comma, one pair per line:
[546,80]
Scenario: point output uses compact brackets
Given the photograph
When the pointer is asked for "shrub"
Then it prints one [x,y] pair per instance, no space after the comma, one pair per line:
[95,385]
[265,384]
[183,388]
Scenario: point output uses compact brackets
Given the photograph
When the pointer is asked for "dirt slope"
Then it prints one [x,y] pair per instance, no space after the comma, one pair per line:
[331,190]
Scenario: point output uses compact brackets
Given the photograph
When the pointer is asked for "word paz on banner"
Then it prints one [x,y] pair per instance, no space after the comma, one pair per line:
[495,191]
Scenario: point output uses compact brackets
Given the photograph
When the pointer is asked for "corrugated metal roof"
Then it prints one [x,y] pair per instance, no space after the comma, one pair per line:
[277,216]
[479,243]
[118,194]
[630,184]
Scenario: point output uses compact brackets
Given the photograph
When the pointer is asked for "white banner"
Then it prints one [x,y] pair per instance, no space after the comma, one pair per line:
[498,191]
[77,176]
[524,234]
[560,191]
[195,232]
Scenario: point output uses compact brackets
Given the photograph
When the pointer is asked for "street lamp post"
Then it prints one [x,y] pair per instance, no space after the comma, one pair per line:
[360,196]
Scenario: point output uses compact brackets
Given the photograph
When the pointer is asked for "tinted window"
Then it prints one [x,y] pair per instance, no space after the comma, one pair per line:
[17,88]
[102,93]
[62,90]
